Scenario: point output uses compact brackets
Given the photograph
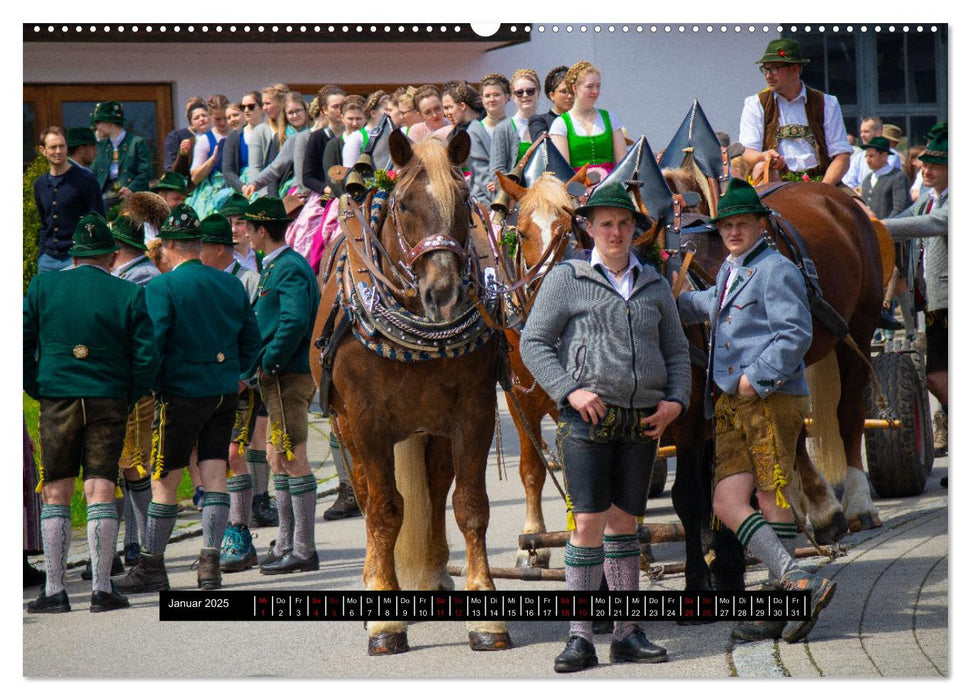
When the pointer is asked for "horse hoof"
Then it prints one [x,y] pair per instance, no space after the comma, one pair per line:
[833,532]
[865,521]
[489,641]
[387,643]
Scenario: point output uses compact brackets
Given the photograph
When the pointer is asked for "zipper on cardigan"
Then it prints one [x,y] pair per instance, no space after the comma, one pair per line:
[633,351]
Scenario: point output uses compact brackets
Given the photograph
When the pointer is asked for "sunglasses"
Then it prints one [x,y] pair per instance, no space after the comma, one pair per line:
[249,107]
[528,92]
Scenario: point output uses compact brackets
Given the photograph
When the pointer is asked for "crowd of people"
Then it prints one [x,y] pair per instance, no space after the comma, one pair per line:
[129,373]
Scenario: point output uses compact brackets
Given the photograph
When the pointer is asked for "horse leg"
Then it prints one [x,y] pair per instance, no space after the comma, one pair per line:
[812,497]
[691,495]
[470,450]
[532,471]
[438,461]
[383,510]
[859,508]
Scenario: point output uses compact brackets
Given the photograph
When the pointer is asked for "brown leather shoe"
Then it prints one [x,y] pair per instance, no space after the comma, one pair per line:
[207,575]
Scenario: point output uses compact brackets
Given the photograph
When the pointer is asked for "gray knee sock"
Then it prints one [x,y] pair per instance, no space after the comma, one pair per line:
[159,526]
[140,492]
[755,535]
[284,509]
[342,468]
[55,527]
[622,555]
[102,537]
[584,569]
[787,533]
[215,513]
[303,494]
[240,498]
[131,522]
[257,466]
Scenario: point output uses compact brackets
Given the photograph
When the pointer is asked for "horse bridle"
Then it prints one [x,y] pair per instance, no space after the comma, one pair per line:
[428,244]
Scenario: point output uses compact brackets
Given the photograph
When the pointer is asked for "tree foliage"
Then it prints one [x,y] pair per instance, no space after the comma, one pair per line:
[31,219]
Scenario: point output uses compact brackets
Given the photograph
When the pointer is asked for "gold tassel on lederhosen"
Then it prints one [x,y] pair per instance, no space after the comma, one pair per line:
[779,480]
[279,436]
[39,457]
[158,442]
[243,421]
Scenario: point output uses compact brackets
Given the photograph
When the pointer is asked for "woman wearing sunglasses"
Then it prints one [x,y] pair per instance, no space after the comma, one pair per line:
[236,145]
[278,178]
[510,140]
[586,135]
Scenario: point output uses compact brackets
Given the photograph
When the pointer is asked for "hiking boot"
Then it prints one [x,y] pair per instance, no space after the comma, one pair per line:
[940,433]
[757,630]
[237,552]
[345,506]
[638,648]
[57,603]
[822,590]
[131,554]
[578,655]
[146,576]
[207,575]
[264,511]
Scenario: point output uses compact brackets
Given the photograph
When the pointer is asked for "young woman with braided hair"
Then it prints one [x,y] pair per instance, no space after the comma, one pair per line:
[428,102]
[268,137]
[586,135]
[510,140]
[560,97]
[464,107]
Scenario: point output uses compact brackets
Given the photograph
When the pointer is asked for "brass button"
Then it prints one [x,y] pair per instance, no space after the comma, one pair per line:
[80,352]
[726,346]
[729,319]
[731,369]
[55,216]
[54,203]
[220,357]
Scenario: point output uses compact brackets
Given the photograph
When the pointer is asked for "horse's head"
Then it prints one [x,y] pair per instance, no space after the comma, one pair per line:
[687,179]
[429,224]
[545,212]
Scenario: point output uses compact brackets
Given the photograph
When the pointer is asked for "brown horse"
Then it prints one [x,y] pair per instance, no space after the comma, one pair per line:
[412,428]
[841,240]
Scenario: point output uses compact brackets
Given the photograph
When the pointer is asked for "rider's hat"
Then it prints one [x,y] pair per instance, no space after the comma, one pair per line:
[783,51]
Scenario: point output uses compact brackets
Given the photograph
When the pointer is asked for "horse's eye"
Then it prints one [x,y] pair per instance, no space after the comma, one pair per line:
[401,205]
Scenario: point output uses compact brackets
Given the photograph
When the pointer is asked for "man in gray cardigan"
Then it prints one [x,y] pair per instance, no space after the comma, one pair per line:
[927,219]
[605,342]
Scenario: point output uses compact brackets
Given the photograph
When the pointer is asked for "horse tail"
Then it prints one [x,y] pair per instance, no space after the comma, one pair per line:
[417,560]
[824,442]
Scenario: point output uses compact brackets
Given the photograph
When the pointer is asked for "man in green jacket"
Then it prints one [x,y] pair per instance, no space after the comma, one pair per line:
[207,336]
[123,163]
[89,354]
[286,306]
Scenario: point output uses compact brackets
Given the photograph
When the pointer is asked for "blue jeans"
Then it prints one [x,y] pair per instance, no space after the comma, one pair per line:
[51,263]
[608,463]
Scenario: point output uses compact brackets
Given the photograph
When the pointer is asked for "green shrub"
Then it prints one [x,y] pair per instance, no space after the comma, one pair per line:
[31,218]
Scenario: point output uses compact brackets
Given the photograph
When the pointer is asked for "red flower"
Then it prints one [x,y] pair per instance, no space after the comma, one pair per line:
[782,52]
[665,255]
[805,177]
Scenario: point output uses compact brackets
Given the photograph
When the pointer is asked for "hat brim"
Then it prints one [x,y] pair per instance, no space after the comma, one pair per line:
[775,58]
[76,252]
[263,220]
[180,190]
[640,220]
[729,212]
[128,241]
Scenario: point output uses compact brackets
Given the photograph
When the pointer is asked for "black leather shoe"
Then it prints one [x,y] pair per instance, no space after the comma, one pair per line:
[578,655]
[264,512]
[57,603]
[103,601]
[117,568]
[888,322]
[291,563]
[272,556]
[637,648]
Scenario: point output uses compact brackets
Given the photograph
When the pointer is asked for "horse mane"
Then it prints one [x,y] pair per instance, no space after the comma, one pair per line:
[688,178]
[547,196]
[441,176]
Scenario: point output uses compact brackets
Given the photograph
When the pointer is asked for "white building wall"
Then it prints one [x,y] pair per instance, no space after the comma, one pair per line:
[649,79]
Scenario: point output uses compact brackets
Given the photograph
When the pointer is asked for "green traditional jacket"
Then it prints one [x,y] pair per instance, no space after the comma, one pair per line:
[134,162]
[87,334]
[286,307]
[205,330]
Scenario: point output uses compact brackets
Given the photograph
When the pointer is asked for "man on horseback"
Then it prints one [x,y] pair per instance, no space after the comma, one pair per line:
[789,127]
[604,341]
[761,328]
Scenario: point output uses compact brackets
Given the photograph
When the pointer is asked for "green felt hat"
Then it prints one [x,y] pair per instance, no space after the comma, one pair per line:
[783,51]
[182,225]
[234,206]
[939,128]
[92,236]
[739,198]
[124,229]
[110,111]
[80,136]
[936,151]
[878,142]
[613,194]
[267,210]
[173,181]
[217,229]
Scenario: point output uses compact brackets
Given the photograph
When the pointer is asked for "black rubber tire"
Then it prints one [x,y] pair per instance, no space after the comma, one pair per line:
[659,477]
[899,460]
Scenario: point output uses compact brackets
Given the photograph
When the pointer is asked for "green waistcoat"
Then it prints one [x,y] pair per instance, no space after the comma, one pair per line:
[205,330]
[87,334]
[286,306]
[590,150]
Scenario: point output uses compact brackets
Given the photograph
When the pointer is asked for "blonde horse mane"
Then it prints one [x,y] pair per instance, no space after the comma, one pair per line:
[441,176]
[547,197]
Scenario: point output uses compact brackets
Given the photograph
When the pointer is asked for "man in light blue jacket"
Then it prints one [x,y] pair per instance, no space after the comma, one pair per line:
[761,328]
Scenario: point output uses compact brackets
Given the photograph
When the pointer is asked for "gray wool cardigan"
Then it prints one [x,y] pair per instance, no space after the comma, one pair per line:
[582,334]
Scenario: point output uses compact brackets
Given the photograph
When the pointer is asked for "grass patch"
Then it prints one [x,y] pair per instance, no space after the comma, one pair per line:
[79,517]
